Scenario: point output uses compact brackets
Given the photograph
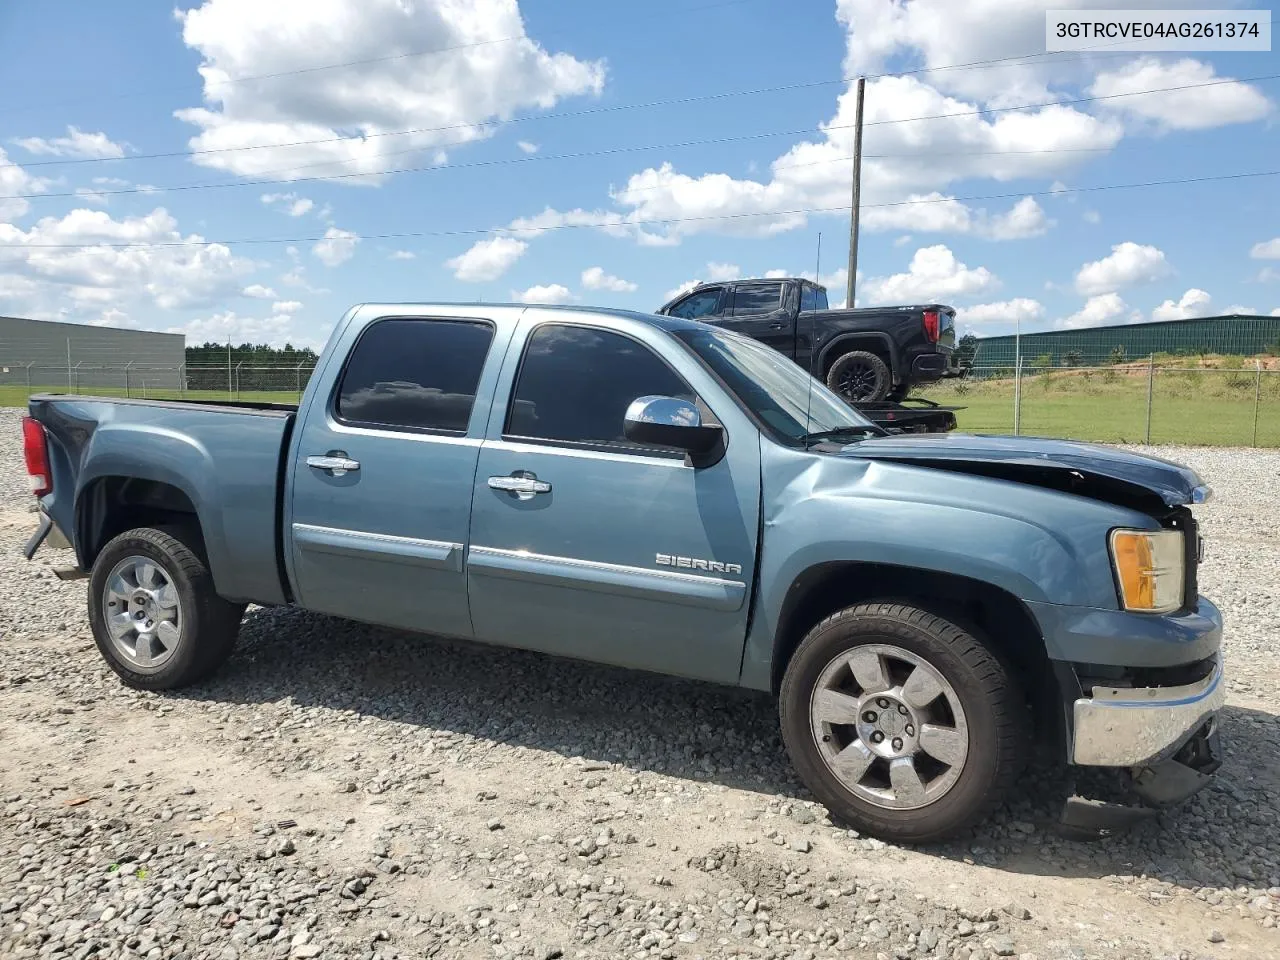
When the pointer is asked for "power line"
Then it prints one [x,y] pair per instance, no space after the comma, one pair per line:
[611,151]
[594,111]
[620,222]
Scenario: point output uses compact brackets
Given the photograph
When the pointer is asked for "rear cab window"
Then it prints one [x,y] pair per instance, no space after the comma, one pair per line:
[412,374]
[575,384]
[751,299]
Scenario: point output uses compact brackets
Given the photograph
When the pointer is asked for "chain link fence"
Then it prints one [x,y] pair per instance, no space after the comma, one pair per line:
[236,381]
[1230,401]
[1234,402]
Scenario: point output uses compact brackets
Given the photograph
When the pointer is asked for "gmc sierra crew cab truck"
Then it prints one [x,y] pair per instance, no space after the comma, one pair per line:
[868,354]
[660,494]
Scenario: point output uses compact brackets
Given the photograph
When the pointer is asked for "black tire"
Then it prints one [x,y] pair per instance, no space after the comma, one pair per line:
[988,693]
[860,376]
[208,624]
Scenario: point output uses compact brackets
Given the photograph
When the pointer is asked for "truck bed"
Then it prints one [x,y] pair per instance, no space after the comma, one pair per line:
[234,451]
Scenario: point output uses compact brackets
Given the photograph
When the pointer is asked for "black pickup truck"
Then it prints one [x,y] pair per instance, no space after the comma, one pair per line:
[870,354]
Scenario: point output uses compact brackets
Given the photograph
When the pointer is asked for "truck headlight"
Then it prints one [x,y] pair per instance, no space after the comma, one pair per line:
[1149,567]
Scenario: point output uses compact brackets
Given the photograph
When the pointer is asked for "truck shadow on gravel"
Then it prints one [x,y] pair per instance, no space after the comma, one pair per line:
[1223,837]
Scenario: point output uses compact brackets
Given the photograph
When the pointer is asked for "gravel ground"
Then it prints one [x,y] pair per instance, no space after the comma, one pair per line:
[343,791]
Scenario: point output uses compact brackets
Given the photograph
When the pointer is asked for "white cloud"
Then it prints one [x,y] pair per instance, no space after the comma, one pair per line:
[902,241]
[1091,216]
[1242,310]
[286,306]
[14,182]
[1275,312]
[933,274]
[1195,109]
[1128,264]
[259,292]
[475,74]
[677,291]
[487,259]
[1098,310]
[291,203]
[337,247]
[1268,274]
[543,294]
[96,197]
[722,271]
[76,144]
[68,269]
[229,326]
[527,147]
[1194,303]
[1269,250]
[594,278]
[1025,219]
[1019,309]
[402,255]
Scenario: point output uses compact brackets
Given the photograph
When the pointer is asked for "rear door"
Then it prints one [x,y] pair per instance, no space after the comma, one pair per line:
[382,484]
[615,552]
[760,310]
[705,304]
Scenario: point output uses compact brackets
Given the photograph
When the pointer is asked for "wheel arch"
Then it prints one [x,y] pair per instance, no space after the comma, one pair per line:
[879,343]
[990,612]
[109,505]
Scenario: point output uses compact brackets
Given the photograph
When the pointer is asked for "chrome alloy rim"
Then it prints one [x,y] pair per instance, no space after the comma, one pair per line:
[889,726]
[142,613]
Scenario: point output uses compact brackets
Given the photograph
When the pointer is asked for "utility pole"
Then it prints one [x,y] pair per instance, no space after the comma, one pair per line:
[857,190]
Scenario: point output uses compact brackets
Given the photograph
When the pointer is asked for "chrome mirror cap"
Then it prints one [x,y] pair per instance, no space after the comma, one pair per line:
[668,411]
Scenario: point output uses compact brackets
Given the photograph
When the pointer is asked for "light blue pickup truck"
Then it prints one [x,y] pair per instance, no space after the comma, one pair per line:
[661,494]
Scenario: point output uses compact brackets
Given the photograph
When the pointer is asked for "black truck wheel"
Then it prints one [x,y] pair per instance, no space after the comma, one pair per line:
[901,722]
[155,616]
[860,376]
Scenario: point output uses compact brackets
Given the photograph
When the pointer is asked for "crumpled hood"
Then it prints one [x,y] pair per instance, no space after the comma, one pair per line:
[1084,468]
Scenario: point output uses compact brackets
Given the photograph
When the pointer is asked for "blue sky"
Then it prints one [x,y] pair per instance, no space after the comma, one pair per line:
[564,77]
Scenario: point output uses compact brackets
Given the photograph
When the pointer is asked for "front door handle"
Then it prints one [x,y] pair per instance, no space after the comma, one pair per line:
[338,466]
[524,487]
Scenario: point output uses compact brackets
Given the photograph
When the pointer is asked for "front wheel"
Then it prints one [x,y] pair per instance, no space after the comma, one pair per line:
[901,722]
[155,616]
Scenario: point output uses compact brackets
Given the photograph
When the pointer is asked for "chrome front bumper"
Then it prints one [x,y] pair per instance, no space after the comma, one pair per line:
[1134,727]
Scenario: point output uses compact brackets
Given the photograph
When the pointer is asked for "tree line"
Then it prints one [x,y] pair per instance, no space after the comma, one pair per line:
[250,354]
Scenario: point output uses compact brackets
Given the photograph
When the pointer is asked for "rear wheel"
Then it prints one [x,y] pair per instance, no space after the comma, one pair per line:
[860,376]
[155,616]
[901,722]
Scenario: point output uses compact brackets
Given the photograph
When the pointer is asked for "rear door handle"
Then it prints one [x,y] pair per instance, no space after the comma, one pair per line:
[524,487]
[338,466]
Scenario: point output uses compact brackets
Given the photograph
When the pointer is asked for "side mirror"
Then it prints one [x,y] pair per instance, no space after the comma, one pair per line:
[671,422]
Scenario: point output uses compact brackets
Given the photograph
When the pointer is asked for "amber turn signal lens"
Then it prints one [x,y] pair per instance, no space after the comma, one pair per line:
[1149,569]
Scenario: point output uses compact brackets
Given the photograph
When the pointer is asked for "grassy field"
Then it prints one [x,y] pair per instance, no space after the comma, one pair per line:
[1212,407]
[1199,407]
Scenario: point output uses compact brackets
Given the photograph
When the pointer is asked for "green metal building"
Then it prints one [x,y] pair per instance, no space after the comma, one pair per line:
[1234,334]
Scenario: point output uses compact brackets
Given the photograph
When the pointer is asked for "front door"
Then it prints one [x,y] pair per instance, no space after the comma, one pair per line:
[587,545]
[382,486]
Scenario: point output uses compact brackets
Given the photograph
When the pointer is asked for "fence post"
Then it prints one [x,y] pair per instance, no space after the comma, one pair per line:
[1257,396]
[127,395]
[297,374]
[1017,398]
[77,376]
[238,366]
[182,380]
[1151,378]
[70,389]
[29,366]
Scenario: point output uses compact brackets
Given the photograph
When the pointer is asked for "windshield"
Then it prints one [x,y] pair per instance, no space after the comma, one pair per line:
[774,388]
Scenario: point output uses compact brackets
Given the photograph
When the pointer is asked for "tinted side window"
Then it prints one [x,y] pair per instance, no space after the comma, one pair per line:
[419,374]
[576,383]
[756,298]
[808,299]
[701,304]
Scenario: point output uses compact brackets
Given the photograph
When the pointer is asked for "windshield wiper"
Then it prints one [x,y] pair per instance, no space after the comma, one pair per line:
[853,430]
